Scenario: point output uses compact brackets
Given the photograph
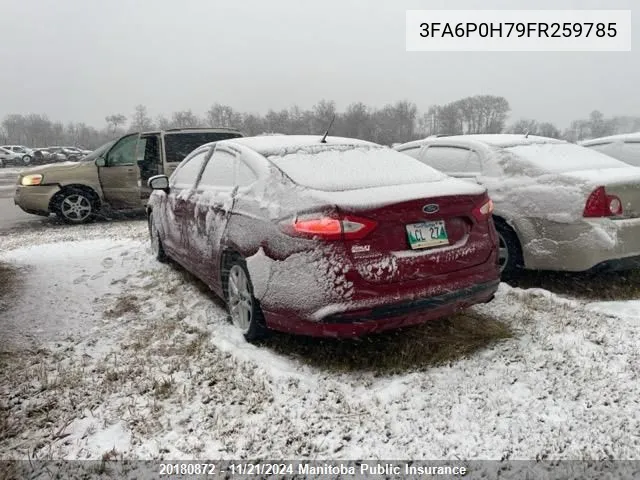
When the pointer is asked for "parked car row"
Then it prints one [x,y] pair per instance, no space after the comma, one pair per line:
[19,155]
[334,236]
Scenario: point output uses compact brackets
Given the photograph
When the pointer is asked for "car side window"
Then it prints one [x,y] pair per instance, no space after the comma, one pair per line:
[606,148]
[474,164]
[219,171]
[412,152]
[630,153]
[123,152]
[447,159]
[187,173]
[244,175]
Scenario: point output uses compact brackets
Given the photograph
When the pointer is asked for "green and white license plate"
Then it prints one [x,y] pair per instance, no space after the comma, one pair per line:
[427,234]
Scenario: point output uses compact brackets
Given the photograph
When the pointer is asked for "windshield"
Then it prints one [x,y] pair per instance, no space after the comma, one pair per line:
[98,152]
[564,157]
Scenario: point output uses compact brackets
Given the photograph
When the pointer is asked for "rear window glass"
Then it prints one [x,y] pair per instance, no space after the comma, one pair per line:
[564,157]
[628,152]
[349,168]
[179,145]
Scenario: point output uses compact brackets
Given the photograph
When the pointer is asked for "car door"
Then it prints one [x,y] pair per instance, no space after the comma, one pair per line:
[215,200]
[459,162]
[5,156]
[119,174]
[180,208]
[149,161]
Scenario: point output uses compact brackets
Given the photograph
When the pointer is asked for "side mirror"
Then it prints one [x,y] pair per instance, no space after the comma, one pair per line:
[158,182]
[100,162]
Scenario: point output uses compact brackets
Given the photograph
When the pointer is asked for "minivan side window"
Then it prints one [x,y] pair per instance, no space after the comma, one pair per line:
[123,152]
[219,171]
[447,159]
[187,173]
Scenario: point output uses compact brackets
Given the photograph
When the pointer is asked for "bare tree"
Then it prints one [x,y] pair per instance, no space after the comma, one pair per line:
[115,120]
[140,120]
[223,116]
[185,119]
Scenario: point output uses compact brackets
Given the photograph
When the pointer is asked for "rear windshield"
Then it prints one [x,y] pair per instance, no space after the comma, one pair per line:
[564,157]
[179,145]
[343,168]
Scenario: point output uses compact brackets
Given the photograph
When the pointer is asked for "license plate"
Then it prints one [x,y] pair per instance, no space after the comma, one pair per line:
[427,234]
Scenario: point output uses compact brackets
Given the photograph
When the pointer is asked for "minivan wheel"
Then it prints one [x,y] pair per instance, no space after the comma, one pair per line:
[244,309]
[75,206]
[156,244]
[509,254]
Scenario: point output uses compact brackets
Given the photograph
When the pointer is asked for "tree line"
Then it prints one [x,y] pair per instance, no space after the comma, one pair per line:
[393,123]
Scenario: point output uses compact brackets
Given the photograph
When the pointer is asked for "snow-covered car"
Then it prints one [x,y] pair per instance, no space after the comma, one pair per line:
[18,155]
[335,238]
[558,205]
[64,154]
[41,155]
[625,147]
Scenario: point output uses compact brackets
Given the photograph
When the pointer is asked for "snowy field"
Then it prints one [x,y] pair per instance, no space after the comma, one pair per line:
[106,351]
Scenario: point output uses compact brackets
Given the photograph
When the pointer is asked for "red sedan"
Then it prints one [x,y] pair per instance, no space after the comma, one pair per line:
[325,237]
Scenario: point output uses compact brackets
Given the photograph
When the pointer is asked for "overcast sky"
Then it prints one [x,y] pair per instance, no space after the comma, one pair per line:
[80,60]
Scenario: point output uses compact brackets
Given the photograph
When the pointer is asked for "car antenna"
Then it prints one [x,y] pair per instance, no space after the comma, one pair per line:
[324,137]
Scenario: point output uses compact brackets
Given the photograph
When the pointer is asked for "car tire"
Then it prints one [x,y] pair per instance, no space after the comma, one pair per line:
[244,309]
[510,252]
[156,244]
[26,160]
[75,205]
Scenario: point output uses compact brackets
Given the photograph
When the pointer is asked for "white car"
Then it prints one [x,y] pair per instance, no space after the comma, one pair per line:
[9,158]
[22,153]
[625,148]
[558,205]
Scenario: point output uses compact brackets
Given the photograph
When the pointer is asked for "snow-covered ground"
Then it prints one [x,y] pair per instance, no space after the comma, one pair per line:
[103,348]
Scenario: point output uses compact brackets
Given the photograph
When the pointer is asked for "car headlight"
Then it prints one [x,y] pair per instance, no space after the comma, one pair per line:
[31,180]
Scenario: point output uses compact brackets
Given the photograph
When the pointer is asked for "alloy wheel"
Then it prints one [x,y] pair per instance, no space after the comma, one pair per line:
[240,298]
[503,252]
[76,207]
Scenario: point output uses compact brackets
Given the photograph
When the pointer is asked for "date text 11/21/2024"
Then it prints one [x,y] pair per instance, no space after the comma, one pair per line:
[301,468]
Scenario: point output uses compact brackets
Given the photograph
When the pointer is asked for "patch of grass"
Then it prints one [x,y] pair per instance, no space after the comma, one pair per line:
[417,348]
[8,283]
[9,470]
[163,388]
[125,304]
[588,286]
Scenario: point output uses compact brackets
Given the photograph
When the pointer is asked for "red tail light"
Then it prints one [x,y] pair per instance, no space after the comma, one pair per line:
[484,210]
[331,228]
[599,204]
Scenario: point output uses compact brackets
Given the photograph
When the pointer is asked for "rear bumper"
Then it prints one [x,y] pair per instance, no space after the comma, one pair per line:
[597,244]
[360,322]
[35,199]
[303,295]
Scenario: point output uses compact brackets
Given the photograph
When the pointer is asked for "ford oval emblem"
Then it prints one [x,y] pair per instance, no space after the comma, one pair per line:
[431,208]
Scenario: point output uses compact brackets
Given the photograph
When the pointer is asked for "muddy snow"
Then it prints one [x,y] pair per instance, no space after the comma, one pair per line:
[103,348]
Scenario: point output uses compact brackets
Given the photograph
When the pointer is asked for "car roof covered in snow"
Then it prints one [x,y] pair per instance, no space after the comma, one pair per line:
[492,140]
[268,145]
[623,137]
